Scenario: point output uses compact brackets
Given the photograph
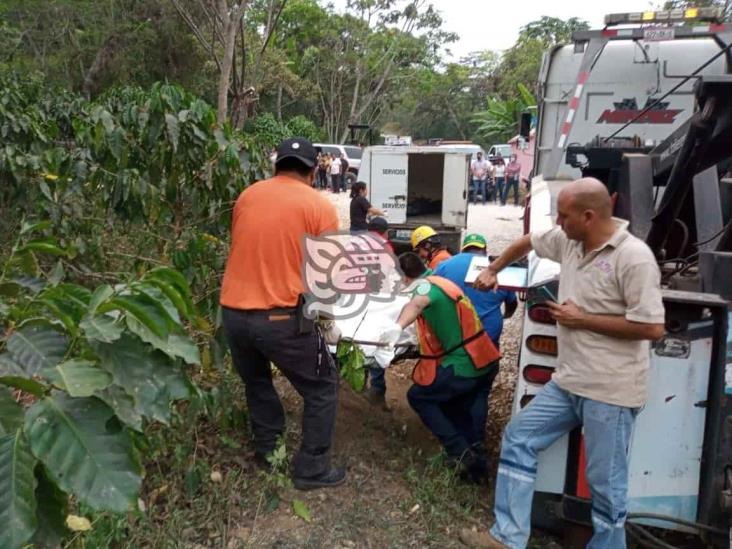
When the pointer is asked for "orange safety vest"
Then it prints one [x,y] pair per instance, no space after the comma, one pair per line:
[438,257]
[477,343]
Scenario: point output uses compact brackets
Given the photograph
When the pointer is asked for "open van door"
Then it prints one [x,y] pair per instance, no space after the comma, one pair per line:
[455,190]
[388,188]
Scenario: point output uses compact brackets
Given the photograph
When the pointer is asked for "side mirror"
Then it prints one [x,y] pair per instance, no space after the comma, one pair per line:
[525,125]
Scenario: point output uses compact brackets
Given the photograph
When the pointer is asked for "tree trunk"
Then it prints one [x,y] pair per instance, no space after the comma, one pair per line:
[279,102]
[104,56]
[226,65]
[230,27]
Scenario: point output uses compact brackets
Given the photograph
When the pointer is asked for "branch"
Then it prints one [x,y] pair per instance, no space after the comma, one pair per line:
[208,46]
[215,22]
[271,29]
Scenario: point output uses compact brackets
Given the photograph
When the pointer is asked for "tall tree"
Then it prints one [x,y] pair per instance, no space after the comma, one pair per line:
[218,24]
[520,63]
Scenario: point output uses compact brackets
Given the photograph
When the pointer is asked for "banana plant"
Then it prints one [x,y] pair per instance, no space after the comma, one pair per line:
[82,370]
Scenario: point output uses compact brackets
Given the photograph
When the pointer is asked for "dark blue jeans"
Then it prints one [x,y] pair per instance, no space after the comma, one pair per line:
[511,183]
[499,188]
[378,379]
[454,408]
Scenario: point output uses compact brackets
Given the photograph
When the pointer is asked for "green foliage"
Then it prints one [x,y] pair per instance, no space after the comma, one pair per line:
[499,122]
[520,63]
[352,362]
[17,486]
[83,380]
[303,127]
[301,509]
[269,131]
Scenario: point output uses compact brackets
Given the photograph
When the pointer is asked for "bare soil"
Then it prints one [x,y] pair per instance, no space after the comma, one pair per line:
[398,492]
[388,452]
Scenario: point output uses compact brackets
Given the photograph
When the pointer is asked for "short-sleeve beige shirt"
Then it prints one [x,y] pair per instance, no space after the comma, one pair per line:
[620,278]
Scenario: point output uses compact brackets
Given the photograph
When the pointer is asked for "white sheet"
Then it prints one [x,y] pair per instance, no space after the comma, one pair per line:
[367,326]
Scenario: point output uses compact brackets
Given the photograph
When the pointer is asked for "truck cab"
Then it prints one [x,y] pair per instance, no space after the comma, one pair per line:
[419,186]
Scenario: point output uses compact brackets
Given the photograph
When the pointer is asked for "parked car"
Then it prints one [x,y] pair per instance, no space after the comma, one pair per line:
[504,150]
[353,155]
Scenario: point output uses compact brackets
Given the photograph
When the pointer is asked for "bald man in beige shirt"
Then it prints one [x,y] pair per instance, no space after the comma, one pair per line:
[609,307]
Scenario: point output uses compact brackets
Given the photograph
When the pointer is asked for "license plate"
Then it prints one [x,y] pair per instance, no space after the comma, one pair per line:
[658,34]
[403,234]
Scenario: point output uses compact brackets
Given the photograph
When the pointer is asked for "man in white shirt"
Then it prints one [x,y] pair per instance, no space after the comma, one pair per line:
[609,307]
[479,169]
[336,175]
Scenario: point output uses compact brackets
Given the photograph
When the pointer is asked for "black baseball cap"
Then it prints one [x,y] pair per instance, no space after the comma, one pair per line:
[378,224]
[300,148]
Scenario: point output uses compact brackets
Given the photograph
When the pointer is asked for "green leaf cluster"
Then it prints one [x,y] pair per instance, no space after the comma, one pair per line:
[352,362]
[81,370]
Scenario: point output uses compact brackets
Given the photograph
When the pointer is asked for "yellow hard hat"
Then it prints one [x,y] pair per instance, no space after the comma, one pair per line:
[420,234]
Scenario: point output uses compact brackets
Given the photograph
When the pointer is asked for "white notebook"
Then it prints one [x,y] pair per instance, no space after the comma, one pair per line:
[510,278]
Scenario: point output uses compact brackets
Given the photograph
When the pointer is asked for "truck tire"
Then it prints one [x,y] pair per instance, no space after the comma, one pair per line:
[351,178]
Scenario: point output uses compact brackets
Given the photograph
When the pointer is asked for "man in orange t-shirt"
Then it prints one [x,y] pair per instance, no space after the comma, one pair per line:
[261,297]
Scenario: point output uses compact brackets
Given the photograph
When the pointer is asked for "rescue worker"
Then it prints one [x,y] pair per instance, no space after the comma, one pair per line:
[609,307]
[455,369]
[426,243]
[262,300]
[487,304]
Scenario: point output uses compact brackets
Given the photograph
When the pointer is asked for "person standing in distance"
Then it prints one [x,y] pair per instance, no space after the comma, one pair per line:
[609,307]
[262,301]
[479,173]
[336,174]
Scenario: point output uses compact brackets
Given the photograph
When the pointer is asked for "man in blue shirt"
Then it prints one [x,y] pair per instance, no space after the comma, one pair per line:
[487,304]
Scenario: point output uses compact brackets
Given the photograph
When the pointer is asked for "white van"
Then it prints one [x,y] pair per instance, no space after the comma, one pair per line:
[419,186]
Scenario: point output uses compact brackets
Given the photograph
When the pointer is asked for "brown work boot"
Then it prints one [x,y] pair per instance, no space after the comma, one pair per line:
[480,540]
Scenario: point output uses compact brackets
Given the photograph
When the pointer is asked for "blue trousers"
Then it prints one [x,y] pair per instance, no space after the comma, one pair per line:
[454,408]
[551,414]
[378,379]
[499,188]
[479,186]
[511,183]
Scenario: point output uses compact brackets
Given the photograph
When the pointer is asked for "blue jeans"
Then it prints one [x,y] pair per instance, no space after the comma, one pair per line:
[378,379]
[551,414]
[499,188]
[454,408]
[479,186]
[511,183]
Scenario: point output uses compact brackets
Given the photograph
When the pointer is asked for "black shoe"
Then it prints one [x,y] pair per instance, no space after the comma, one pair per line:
[262,462]
[470,467]
[330,479]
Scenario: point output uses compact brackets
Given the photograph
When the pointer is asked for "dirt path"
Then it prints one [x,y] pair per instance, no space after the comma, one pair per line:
[390,455]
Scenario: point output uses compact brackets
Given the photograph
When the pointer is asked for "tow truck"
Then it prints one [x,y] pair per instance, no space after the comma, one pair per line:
[645,105]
